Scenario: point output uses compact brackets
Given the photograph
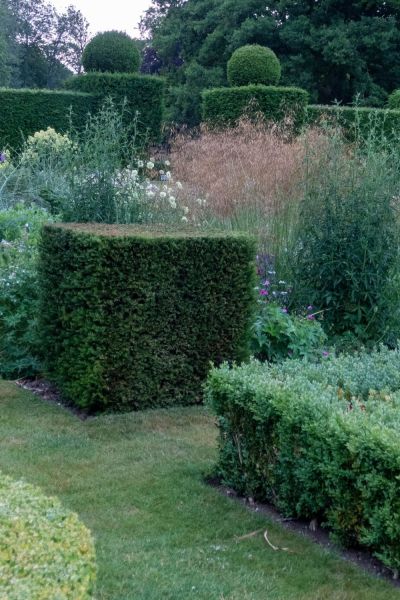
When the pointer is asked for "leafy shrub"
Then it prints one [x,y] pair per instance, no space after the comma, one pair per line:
[137,314]
[357,122]
[19,343]
[253,64]
[278,335]
[143,95]
[394,100]
[345,253]
[23,112]
[45,551]
[112,52]
[318,441]
[225,106]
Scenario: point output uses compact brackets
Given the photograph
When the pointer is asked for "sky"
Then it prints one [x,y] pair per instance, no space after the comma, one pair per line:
[123,15]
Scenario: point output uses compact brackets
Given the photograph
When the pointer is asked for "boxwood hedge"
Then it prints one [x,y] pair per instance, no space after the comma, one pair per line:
[357,121]
[23,112]
[318,441]
[224,106]
[45,551]
[144,95]
[132,317]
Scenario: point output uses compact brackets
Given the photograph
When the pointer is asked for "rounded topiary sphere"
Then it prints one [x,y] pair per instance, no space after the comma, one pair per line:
[111,52]
[254,64]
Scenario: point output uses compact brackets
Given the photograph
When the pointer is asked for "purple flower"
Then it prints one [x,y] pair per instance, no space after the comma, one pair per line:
[311,317]
[284,310]
[3,157]
[310,307]
[266,282]
[325,354]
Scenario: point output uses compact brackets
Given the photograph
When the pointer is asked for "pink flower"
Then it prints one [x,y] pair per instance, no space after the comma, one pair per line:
[263,292]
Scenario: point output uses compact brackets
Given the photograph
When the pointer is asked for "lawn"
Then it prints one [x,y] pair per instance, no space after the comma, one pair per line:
[136,480]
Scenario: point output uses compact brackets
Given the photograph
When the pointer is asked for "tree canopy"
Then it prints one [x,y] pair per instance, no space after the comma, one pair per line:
[335,49]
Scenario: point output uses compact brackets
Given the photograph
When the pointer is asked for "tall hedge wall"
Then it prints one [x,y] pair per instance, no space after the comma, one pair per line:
[132,317]
[224,106]
[357,121]
[318,441]
[45,551]
[144,94]
[23,112]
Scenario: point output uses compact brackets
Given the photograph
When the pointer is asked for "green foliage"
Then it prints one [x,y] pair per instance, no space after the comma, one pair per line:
[278,335]
[394,100]
[45,551]
[111,52]
[144,96]
[138,314]
[345,255]
[19,342]
[23,112]
[224,106]
[253,64]
[357,122]
[319,441]
[334,50]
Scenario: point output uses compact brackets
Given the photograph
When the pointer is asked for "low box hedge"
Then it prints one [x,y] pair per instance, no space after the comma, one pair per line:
[318,441]
[144,96]
[45,551]
[357,121]
[224,106]
[132,317]
[23,112]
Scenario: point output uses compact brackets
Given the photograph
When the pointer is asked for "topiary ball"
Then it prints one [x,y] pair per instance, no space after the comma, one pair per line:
[111,52]
[253,64]
[394,100]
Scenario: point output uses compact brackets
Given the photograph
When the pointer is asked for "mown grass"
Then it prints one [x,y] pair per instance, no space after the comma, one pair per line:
[137,481]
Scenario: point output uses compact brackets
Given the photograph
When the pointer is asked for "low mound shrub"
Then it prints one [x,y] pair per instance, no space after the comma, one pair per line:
[253,64]
[225,106]
[45,551]
[320,441]
[132,317]
[112,52]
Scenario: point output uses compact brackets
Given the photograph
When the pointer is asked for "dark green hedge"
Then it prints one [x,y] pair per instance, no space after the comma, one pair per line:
[224,106]
[144,95]
[318,441]
[131,318]
[45,551]
[23,112]
[357,121]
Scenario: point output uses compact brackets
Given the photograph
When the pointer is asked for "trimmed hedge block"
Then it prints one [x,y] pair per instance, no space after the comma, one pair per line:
[318,441]
[143,94]
[132,317]
[224,106]
[23,112]
[357,121]
[45,551]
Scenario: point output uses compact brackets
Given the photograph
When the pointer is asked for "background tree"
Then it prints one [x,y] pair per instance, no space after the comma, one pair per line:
[48,43]
[335,49]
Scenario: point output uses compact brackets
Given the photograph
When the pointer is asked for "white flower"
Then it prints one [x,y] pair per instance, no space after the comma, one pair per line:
[140,164]
[185,210]
[168,174]
[161,172]
[134,173]
[150,164]
[167,163]
[163,194]
[184,219]
[150,193]
[179,185]
[172,202]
